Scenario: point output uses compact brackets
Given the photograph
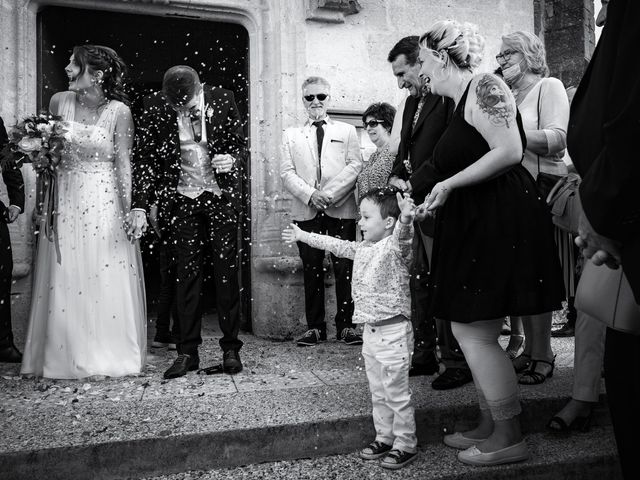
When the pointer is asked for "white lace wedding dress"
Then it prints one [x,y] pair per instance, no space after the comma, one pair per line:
[88,314]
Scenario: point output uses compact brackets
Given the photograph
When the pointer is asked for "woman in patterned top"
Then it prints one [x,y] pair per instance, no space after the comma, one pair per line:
[378,120]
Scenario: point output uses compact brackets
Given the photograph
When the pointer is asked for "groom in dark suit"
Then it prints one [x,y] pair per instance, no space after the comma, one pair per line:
[188,161]
[15,188]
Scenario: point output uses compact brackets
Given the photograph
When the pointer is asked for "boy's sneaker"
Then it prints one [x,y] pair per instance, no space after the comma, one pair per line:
[311,337]
[350,337]
[164,340]
[374,450]
[396,459]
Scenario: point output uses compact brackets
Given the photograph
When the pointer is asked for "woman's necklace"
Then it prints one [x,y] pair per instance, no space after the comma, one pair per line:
[521,92]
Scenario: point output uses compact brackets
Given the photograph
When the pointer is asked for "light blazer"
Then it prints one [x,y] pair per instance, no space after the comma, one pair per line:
[341,163]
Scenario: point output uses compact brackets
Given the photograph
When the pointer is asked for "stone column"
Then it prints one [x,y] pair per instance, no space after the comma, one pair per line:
[567,28]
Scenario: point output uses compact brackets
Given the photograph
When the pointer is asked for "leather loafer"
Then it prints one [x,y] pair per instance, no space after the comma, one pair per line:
[452,378]
[231,362]
[512,454]
[10,354]
[430,367]
[183,364]
[459,441]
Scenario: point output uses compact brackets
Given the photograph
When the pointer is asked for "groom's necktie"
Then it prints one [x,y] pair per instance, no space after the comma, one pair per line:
[319,138]
[196,124]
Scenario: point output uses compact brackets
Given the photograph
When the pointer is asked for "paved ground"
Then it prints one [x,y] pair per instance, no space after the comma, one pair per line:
[281,385]
[578,456]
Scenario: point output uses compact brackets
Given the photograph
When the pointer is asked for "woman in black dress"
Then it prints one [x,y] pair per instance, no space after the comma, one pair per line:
[494,253]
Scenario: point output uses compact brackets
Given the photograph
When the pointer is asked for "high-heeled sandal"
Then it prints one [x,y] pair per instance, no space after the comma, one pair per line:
[533,377]
[522,362]
[512,350]
[578,424]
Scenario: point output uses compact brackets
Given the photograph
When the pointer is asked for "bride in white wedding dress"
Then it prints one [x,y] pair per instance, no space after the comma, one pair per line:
[88,315]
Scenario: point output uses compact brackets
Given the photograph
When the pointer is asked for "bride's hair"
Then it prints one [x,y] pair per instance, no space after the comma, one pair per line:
[461,42]
[98,57]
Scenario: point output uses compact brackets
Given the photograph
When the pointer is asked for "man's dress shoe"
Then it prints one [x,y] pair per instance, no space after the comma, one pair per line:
[452,378]
[231,362]
[10,354]
[183,364]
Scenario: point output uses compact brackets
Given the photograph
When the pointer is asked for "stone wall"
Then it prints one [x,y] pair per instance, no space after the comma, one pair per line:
[346,41]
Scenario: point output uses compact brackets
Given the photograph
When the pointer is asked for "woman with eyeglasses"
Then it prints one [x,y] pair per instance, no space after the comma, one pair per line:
[544,107]
[491,235]
[377,120]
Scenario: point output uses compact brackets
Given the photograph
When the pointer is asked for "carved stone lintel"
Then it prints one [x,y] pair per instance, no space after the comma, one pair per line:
[331,11]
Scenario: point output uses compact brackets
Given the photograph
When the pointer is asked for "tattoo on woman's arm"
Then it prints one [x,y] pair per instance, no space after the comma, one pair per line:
[494,101]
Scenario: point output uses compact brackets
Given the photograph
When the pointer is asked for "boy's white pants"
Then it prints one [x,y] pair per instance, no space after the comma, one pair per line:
[387,353]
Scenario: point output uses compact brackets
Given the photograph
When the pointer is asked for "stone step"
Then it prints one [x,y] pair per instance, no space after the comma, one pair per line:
[202,431]
[583,456]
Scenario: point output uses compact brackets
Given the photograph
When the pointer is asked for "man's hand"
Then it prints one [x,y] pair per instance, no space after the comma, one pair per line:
[12,213]
[407,207]
[398,182]
[292,234]
[223,163]
[136,224]
[601,250]
[153,220]
[320,200]
[421,212]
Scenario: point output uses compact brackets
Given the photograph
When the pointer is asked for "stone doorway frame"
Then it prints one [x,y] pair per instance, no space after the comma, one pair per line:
[265,34]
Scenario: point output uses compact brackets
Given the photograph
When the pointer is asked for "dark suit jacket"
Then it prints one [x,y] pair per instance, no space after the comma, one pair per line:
[156,160]
[418,144]
[604,135]
[12,179]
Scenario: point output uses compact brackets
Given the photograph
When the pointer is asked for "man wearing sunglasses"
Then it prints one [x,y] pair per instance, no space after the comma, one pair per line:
[189,156]
[424,119]
[319,166]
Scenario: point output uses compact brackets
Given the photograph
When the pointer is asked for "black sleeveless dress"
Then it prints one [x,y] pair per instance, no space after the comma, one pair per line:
[494,253]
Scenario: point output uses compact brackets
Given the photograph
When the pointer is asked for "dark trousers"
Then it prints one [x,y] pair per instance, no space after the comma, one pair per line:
[424,325]
[196,223]
[6,268]
[622,380]
[167,305]
[313,269]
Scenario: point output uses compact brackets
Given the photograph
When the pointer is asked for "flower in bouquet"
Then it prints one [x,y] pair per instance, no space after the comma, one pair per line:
[38,139]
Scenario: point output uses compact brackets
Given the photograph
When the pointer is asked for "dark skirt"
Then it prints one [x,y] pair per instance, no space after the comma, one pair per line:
[494,252]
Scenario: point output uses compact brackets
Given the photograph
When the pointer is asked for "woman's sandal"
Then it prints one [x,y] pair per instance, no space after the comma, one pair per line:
[533,377]
[512,350]
[522,362]
[578,424]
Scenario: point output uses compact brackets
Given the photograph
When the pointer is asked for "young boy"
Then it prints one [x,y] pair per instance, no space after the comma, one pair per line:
[380,290]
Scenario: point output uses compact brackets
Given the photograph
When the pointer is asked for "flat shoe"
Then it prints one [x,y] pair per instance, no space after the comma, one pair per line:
[459,441]
[580,424]
[512,454]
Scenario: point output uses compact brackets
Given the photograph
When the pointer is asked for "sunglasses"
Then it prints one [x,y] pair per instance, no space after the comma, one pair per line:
[505,56]
[372,123]
[321,97]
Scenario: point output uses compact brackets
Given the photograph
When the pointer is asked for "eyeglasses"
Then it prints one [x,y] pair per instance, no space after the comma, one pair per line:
[505,56]
[321,97]
[372,123]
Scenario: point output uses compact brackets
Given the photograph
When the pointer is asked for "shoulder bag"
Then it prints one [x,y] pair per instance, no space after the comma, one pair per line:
[605,294]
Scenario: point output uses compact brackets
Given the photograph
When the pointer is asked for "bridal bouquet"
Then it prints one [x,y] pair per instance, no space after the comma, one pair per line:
[39,140]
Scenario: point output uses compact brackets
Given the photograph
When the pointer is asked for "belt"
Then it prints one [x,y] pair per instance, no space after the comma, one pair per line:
[389,321]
